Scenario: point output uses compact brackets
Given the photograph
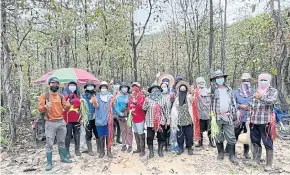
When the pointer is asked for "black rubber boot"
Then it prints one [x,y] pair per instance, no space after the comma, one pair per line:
[180,151]
[269,160]
[102,147]
[166,144]
[142,145]
[77,145]
[119,135]
[160,149]
[190,151]
[98,145]
[151,151]
[211,142]
[246,151]
[220,148]
[67,145]
[137,138]
[232,154]
[90,149]
[109,153]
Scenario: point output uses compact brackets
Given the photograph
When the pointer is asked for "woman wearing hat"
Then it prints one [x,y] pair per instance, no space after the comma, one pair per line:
[156,117]
[91,126]
[243,96]
[224,107]
[121,110]
[102,104]
[261,120]
[72,116]
[181,117]
[136,101]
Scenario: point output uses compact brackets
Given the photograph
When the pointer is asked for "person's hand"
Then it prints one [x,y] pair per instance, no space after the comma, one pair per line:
[192,89]
[93,99]
[48,105]
[244,107]
[257,95]
[67,103]
[146,99]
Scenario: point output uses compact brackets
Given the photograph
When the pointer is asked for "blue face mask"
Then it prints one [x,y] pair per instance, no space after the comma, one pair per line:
[72,88]
[124,90]
[165,90]
[220,81]
[104,91]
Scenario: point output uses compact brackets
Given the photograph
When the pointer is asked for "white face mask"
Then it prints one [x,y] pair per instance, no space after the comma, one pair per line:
[90,88]
[72,88]
[104,91]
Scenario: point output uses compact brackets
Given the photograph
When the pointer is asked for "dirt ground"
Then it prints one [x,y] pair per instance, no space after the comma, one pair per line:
[203,161]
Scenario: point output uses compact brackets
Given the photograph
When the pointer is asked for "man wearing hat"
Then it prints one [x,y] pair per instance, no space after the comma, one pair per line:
[91,127]
[156,116]
[243,97]
[121,110]
[136,101]
[53,104]
[224,107]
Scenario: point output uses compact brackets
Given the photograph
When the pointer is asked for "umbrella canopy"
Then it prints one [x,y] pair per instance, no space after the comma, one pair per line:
[67,74]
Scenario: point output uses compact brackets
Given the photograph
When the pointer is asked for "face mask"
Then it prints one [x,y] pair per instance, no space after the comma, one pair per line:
[220,81]
[165,90]
[72,88]
[263,83]
[124,90]
[90,88]
[104,91]
[54,88]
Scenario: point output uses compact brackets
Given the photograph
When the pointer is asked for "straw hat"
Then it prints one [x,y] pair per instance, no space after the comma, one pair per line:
[246,76]
[183,83]
[167,78]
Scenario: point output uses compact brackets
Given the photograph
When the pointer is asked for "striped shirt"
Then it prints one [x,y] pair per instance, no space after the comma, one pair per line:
[149,107]
[261,109]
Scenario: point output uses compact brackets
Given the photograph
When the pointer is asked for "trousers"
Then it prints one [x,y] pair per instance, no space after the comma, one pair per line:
[126,132]
[227,132]
[151,134]
[185,133]
[261,132]
[90,129]
[55,129]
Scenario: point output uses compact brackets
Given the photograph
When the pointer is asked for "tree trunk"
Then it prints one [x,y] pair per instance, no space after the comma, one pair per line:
[211,37]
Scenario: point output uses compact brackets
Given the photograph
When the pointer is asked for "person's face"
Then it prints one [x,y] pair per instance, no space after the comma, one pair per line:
[54,84]
[182,88]
[135,88]
[163,86]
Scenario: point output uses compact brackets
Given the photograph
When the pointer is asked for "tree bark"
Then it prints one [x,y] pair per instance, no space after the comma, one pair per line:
[211,37]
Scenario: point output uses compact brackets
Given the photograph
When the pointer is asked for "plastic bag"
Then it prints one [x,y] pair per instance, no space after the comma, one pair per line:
[83,138]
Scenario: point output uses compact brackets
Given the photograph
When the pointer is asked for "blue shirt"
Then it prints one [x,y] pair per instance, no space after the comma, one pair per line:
[243,101]
[121,104]
[102,111]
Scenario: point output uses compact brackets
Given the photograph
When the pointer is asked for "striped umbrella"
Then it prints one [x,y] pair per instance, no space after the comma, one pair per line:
[67,74]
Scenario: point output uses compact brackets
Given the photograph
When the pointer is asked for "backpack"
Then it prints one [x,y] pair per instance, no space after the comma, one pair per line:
[47,99]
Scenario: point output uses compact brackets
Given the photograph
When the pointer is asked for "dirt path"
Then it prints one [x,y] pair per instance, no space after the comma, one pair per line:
[202,162]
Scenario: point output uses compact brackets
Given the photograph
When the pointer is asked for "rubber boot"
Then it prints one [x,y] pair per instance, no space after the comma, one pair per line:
[232,154]
[109,153]
[199,143]
[98,145]
[119,135]
[190,151]
[124,148]
[137,138]
[77,145]
[151,153]
[49,161]
[246,151]
[160,149]
[142,145]
[90,148]
[269,160]
[67,145]
[180,151]
[166,144]
[220,148]
[63,155]
[211,142]
[102,147]
[257,154]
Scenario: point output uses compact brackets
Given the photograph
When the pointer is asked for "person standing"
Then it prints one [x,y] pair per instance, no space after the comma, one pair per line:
[156,117]
[262,120]
[136,101]
[102,106]
[224,107]
[182,117]
[203,106]
[53,104]
[72,116]
[91,126]
[117,130]
[121,110]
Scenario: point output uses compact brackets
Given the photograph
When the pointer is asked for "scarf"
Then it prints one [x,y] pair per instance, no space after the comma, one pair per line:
[156,95]
[245,89]
[196,116]
[182,97]
[157,116]
[261,88]
[89,94]
[105,97]
[111,120]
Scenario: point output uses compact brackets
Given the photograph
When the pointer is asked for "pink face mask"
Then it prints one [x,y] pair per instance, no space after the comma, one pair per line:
[264,83]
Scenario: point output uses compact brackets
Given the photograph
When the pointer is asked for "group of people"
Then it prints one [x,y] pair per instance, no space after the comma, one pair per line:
[174,113]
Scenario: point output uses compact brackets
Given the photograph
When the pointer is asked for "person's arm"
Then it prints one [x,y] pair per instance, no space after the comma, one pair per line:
[65,103]
[270,98]
[41,103]
[116,109]
[145,105]
[166,111]
[94,101]
[77,102]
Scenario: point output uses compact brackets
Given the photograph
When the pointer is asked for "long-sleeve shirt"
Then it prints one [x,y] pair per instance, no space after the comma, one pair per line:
[240,100]
[217,108]
[57,106]
[72,114]
[90,105]
[102,111]
[138,114]
[203,104]
[121,104]
[261,109]
[150,116]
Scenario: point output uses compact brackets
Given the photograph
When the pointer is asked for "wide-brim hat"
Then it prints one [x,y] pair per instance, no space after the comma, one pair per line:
[136,84]
[218,73]
[167,78]
[183,83]
[90,82]
[246,76]
[104,83]
[124,84]
[155,85]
